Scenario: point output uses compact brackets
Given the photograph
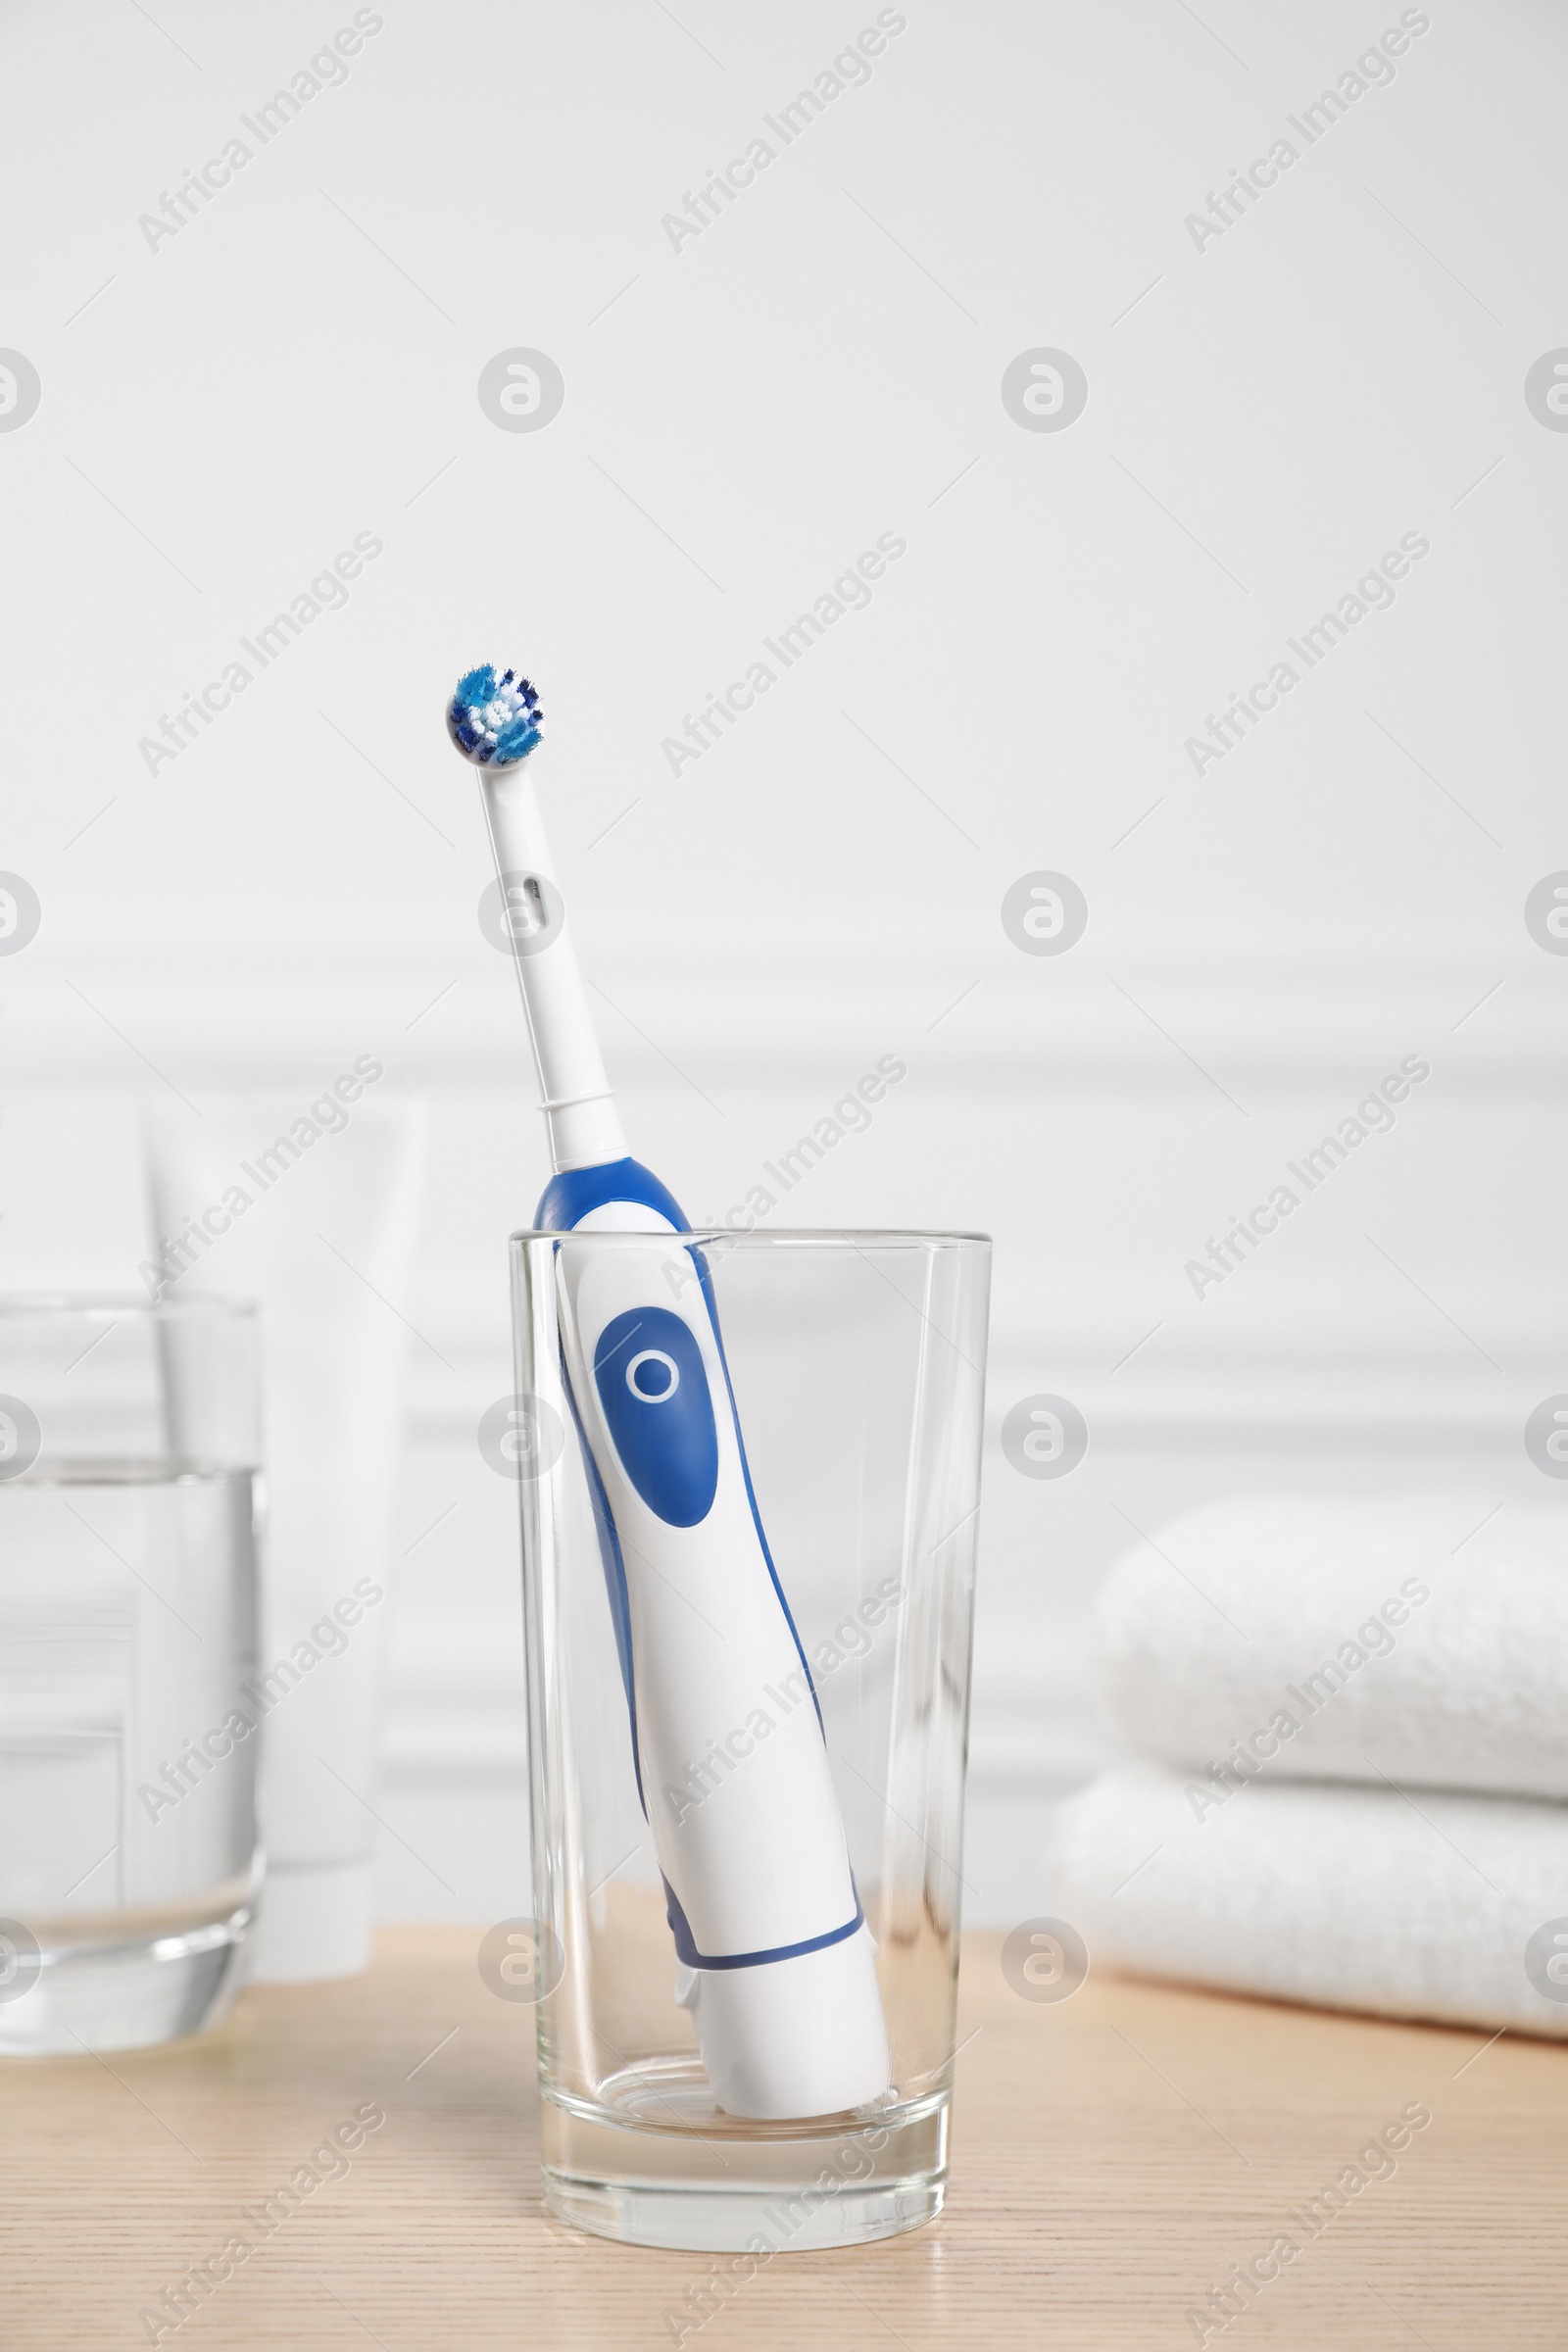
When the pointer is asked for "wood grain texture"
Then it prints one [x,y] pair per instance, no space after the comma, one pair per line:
[1113,2156]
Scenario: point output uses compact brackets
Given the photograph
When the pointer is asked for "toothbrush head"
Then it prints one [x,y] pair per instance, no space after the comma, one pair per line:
[494,717]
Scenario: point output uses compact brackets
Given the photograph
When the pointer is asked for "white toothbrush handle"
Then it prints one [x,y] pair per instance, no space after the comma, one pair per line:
[777,1962]
[584,1125]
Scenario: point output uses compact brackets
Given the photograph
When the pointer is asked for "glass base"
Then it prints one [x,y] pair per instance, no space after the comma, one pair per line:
[709,2221]
[830,2185]
[126,1995]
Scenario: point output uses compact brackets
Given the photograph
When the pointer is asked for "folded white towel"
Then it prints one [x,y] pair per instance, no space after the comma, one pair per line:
[1421,1637]
[1352,1899]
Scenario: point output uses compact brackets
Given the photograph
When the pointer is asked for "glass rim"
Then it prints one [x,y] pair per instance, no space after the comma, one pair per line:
[117,1306]
[841,1236]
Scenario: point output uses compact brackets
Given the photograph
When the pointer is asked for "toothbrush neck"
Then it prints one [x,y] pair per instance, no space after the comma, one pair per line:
[584,1126]
[586,1135]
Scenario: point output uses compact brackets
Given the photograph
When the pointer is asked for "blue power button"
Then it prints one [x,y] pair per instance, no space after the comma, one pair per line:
[648,1369]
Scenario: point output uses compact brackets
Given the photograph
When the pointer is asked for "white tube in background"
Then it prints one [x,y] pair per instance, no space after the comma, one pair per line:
[319,1229]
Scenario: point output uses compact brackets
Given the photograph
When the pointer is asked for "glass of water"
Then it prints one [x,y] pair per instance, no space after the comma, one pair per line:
[128,1499]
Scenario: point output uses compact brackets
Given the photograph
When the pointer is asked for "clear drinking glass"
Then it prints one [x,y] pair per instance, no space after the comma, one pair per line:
[856,1363]
[128,1858]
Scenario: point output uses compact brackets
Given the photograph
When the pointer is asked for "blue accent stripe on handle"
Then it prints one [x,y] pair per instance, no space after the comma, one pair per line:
[706,1281]
[686,1946]
[614,1569]
[573,1194]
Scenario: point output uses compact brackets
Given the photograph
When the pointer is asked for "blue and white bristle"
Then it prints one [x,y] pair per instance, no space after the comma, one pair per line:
[494,719]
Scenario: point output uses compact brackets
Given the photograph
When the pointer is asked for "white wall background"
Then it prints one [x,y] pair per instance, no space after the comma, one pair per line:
[221,416]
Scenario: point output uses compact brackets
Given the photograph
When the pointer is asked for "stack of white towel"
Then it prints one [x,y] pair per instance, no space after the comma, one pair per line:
[1350,1721]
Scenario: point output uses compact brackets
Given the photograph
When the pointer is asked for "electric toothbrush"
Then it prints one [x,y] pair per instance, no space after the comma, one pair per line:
[776,1962]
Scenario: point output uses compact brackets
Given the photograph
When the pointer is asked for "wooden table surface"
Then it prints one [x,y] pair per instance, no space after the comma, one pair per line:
[1113,2156]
